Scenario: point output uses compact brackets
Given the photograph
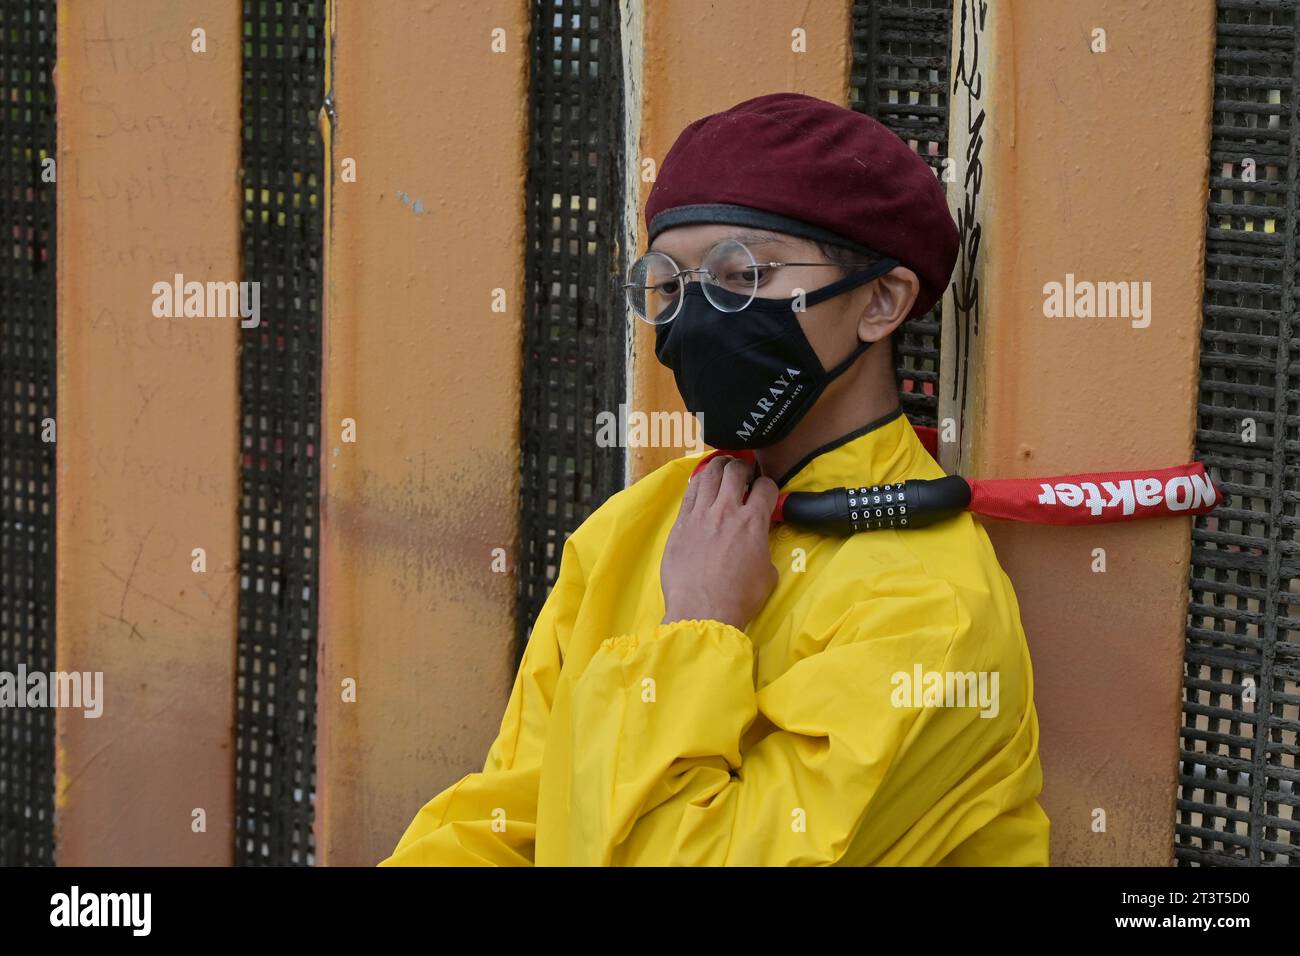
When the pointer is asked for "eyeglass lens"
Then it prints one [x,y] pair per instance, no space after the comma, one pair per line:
[728,276]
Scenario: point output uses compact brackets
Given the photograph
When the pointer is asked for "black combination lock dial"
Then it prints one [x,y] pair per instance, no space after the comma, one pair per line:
[880,506]
[914,503]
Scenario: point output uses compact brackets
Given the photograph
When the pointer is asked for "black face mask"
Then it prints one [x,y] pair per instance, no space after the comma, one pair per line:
[751,375]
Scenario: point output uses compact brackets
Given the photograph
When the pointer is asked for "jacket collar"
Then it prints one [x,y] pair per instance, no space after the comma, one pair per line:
[883,450]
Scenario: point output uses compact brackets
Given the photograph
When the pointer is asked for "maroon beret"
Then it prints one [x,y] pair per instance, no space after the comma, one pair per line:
[794,163]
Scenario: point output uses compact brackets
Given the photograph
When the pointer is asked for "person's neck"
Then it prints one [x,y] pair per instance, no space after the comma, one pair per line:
[849,403]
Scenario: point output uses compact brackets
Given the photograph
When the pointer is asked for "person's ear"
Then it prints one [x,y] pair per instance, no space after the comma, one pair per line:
[892,297]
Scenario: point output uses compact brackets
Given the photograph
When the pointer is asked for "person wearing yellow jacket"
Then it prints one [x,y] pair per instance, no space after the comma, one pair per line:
[703,687]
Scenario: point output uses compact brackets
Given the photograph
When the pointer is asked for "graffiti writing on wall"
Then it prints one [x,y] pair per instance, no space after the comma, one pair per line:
[968,76]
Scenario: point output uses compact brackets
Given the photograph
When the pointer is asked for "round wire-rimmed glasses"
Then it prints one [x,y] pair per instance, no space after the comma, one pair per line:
[729,276]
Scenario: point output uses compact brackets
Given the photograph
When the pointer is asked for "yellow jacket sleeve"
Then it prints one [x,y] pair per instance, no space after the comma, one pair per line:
[835,768]
[490,817]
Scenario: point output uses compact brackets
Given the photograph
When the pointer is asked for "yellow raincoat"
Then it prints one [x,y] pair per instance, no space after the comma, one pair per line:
[794,742]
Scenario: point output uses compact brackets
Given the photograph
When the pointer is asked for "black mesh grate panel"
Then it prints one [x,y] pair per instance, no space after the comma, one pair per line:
[575,322]
[280,386]
[27,381]
[1239,796]
[900,77]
